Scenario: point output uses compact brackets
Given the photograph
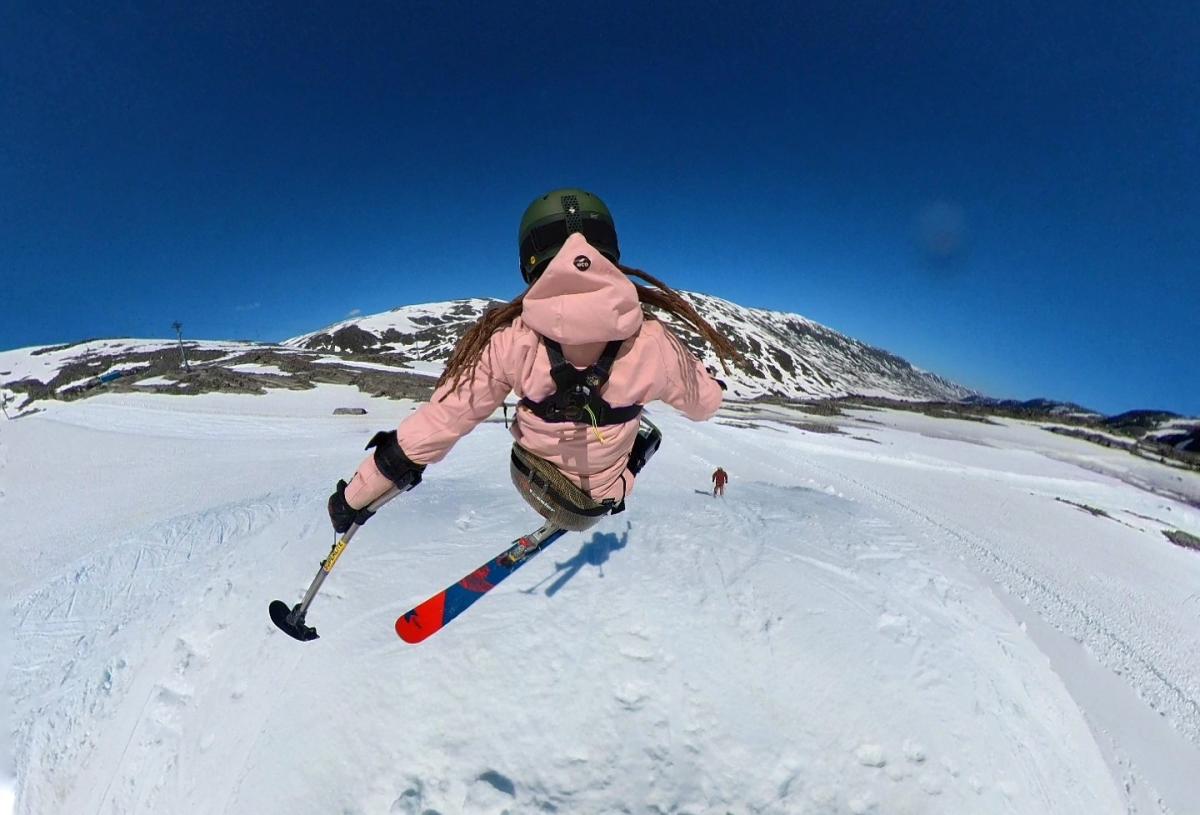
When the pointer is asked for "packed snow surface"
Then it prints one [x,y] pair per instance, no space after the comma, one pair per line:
[913,616]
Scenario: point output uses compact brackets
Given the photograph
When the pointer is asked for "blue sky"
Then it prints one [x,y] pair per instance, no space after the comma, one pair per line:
[1003,194]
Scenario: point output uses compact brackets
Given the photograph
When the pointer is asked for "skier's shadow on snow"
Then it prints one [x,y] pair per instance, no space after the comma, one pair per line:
[593,553]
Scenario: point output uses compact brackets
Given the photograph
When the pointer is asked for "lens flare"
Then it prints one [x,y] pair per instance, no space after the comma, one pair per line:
[941,234]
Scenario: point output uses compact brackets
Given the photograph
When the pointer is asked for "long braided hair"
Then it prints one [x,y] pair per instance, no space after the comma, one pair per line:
[658,295]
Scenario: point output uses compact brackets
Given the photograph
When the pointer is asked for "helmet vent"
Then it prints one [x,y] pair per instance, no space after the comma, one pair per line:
[570,205]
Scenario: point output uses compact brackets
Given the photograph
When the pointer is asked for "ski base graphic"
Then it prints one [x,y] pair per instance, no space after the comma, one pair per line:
[434,614]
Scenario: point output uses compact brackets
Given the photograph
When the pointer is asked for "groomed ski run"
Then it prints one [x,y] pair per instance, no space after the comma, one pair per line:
[914,615]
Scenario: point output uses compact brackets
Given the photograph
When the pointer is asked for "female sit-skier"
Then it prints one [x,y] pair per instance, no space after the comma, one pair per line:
[582,356]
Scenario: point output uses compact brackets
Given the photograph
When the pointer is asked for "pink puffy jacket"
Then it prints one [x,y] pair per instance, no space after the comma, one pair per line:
[582,301]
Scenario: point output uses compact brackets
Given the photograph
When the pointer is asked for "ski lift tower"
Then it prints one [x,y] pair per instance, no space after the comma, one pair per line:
[178,326]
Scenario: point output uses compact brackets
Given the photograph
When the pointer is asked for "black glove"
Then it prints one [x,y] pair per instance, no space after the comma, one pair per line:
[713,373]
[341,514]
[645,445]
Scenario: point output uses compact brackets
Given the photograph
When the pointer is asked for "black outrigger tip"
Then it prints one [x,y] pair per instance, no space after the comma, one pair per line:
[281,615]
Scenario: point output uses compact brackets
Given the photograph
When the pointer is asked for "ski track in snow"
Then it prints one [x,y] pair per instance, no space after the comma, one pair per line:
[1119,651]
[114,673]
[815,642]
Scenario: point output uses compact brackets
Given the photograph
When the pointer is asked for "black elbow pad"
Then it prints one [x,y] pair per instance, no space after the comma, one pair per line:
[391,461]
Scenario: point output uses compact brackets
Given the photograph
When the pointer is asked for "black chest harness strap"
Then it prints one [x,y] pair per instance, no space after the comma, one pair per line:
[577,395]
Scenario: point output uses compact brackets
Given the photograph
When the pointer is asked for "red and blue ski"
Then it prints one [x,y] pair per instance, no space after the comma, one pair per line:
[432,616]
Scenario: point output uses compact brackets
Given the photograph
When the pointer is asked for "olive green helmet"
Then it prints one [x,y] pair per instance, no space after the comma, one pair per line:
[553,217]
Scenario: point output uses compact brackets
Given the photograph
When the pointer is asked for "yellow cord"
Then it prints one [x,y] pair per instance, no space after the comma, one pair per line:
[595,427]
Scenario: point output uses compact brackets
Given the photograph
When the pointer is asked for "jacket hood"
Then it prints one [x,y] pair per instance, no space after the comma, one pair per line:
[582,297]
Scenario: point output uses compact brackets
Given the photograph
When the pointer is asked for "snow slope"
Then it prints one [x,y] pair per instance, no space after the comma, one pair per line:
[905,618]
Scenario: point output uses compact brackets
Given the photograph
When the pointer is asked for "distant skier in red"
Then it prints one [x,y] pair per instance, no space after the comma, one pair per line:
[719,477]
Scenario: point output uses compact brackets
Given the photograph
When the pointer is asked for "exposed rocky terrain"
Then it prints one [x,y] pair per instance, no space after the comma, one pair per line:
[786,355]
[76,371]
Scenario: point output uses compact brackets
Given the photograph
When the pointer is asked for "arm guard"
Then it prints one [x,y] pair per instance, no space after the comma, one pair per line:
[391,461]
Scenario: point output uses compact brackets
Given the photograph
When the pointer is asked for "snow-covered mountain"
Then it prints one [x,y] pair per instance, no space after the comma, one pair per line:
[397,353]
[29,376]
[788,356]
[426,332]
